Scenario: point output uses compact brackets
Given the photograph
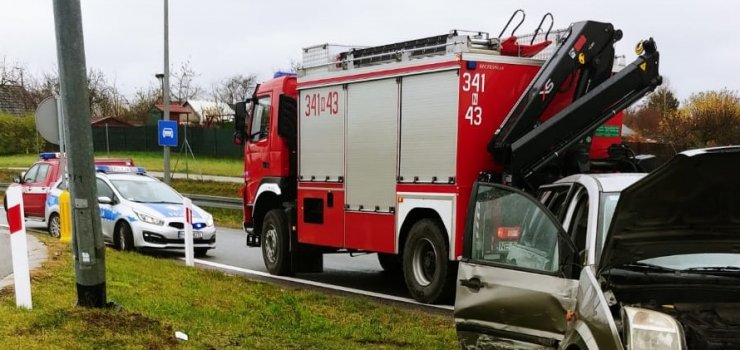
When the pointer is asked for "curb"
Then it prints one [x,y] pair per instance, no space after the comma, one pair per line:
[37,255]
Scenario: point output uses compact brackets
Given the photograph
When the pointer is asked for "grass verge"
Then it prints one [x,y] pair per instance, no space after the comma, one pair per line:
[152,161]
[217,311]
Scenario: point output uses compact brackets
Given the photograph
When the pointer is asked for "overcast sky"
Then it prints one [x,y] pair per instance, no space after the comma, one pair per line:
[699,41]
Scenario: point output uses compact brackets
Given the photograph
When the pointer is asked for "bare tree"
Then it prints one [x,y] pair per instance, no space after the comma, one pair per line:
[12,73]
[139,105]
[182,83]
[234,89]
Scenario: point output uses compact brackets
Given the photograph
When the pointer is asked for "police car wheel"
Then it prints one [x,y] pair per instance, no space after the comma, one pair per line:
[55,226]
[200,252]
[123,239]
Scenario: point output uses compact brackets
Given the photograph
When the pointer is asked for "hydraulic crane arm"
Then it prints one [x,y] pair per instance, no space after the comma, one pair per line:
[550,140]
[586,54]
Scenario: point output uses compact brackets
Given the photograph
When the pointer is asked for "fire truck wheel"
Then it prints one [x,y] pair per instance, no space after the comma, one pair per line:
[55,226]
[123,238]
[391,263]
[428,273]
[275,243]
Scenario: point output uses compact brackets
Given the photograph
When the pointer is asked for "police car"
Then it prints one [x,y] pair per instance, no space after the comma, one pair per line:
[140,212]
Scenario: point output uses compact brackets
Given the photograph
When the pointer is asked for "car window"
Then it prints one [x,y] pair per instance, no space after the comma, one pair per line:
[260,119]
[31,174]
[510,229]
[554,199]
[103,189]
[42,173]
[577,228]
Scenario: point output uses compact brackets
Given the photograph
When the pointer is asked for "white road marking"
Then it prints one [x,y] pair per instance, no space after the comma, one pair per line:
[320,285]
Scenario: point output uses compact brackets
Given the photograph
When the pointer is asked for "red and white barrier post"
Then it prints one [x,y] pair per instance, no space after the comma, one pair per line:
[188,205]
[19,247]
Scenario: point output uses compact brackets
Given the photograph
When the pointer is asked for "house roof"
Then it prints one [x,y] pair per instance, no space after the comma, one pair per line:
[12,100]
[111,121]
[174,108]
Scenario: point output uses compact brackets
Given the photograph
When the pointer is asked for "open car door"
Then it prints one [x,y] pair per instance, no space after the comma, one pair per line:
[516,281]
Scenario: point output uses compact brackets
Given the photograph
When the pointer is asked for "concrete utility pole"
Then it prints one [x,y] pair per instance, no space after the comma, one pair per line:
[87,243]
[166,87]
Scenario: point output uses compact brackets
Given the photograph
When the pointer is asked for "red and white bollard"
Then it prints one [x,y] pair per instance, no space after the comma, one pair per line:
[19,247]
[188,205]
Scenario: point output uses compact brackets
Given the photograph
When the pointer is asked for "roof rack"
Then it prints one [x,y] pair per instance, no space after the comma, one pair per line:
[328,57]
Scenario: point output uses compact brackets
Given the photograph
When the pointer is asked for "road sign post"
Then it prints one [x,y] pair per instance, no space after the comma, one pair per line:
[19,248]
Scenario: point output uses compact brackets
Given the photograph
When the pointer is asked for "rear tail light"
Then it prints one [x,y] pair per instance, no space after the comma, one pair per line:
[509,233]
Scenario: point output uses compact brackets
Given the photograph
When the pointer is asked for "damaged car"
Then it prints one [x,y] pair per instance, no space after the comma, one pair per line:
[607,261]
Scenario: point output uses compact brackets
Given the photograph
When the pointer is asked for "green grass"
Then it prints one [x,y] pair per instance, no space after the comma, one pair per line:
[211,188]
[231,218]
[217,311]
[152,161]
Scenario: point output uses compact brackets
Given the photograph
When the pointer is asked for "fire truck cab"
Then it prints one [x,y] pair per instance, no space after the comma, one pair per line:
[377,149]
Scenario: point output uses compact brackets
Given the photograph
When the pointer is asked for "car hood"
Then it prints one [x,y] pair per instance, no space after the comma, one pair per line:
[689,205]
[168,210]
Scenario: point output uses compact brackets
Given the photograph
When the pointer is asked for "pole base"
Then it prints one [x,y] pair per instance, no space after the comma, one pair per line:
[91,296]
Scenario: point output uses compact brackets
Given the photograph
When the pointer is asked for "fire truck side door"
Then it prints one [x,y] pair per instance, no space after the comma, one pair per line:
[515,281]
[258,142]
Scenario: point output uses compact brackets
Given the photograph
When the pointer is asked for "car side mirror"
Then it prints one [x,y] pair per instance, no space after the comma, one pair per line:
[105,200]
[240,122]
[17,179]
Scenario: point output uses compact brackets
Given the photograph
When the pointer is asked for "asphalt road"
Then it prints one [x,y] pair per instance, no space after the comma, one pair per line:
[360,272]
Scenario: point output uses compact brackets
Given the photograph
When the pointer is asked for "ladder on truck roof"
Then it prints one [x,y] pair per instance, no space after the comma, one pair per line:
[331,58]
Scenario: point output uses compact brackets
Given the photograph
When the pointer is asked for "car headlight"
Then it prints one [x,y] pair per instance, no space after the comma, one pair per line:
[647,329]
[149,219]
[209,221]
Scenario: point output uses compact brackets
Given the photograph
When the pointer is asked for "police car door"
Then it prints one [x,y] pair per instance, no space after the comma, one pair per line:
[108,215]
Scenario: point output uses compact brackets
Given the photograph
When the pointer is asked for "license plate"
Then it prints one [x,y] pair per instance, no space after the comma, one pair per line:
[196,234]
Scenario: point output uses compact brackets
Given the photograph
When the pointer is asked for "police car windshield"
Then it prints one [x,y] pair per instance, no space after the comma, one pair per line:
[146,191]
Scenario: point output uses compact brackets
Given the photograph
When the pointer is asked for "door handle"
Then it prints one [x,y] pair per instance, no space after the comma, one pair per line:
[473,283]
[265,165]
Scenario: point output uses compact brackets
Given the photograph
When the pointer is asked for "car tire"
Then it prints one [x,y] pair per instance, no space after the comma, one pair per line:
[200,252]
[428,273]
[123,238]
[55,225]
[391,263]
[275,252]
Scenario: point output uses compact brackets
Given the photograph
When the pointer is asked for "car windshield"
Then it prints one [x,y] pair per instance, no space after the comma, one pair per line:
[607,204]
[146,191]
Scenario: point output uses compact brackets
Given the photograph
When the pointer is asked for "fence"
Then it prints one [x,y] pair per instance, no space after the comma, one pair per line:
[204,141]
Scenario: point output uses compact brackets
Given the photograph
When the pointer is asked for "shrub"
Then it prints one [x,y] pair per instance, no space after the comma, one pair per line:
[18,135]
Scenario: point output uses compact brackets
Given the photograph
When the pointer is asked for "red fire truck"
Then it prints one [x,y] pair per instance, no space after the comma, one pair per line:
[376,149]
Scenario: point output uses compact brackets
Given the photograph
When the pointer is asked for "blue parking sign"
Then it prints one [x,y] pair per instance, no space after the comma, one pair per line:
[167,131]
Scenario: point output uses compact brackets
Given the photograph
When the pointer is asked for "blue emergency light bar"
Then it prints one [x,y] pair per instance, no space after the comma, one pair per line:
[279,74]
[119,169]
[50,155]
